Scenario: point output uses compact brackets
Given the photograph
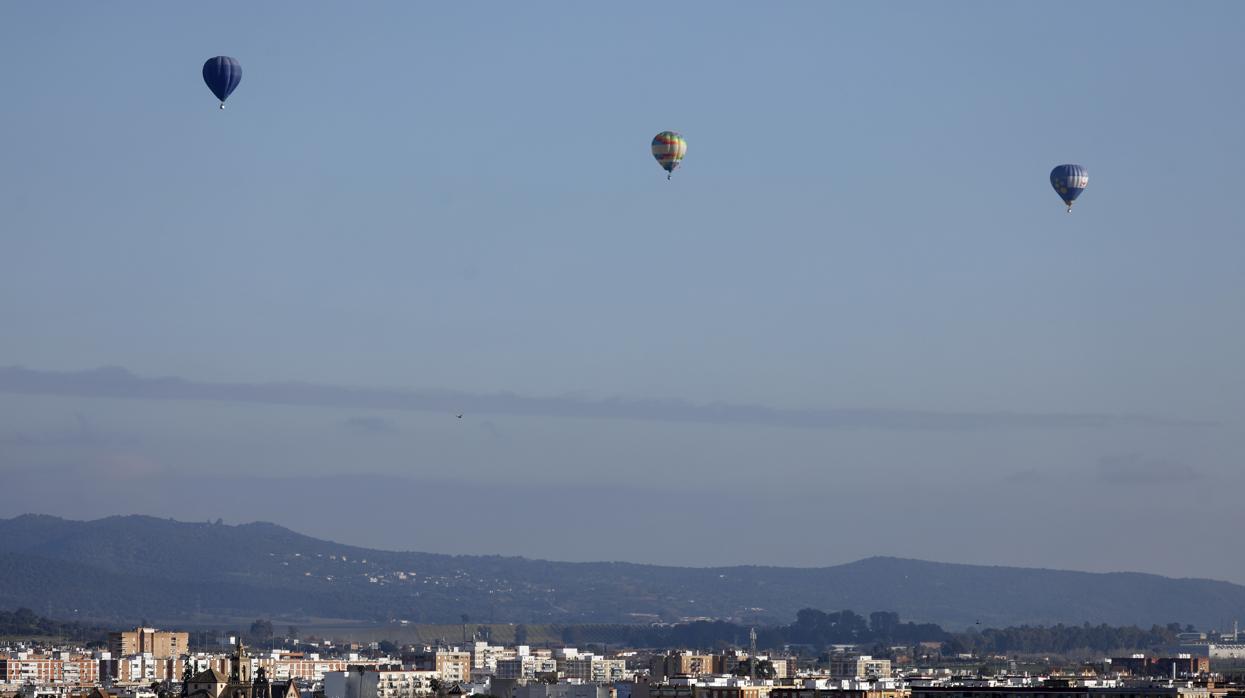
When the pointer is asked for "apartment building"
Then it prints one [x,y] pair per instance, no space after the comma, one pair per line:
[681,664]
[859,667]
[591,668]
[385,682]
[61,668]
[526,667]
[158,643]
[451,665]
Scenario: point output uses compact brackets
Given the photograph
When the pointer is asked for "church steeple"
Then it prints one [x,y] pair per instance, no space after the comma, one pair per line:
[240,669]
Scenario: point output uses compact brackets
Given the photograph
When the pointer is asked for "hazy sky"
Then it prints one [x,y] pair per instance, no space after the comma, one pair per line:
[858,321]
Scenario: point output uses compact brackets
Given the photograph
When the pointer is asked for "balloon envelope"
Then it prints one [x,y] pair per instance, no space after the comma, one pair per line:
[1069,181]
[669,149]
[222,75]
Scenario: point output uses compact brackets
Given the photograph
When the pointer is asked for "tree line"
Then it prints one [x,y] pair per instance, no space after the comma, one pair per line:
[1064,639]
[882,630]
[812,630]
[25,623]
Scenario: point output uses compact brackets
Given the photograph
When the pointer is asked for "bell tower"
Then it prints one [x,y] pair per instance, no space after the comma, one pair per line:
[240,669]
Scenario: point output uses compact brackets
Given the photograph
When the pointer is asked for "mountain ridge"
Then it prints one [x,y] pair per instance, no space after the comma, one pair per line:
[148,566]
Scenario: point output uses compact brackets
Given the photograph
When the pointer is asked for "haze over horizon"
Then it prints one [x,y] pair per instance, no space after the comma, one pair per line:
[856,322]
[243,523]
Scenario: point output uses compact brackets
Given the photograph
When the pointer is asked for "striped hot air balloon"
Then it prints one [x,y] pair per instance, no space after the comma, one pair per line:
[1069,181]
[669,149]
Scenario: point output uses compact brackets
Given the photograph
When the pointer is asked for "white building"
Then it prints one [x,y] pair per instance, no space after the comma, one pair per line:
[359,682]
[485,656]
[1226,650]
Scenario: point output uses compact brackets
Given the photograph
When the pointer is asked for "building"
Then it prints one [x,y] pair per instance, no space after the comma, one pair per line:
[58,669]
[526,667]
[872,691]
[284,666]
[210,683]
[680,664]
[485,656]
[451,665]
[1061,691]
[384,682]
[158,643]
[734,690]
[859,667]
[563,690]
[1183,665]
[644,689]
[141,669]
[591,668]
[239,683]
[1226,650]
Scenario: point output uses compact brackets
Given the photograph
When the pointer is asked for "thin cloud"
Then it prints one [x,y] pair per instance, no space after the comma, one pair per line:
[370,424]
[1023,477]
[81,434]
[114,382]
[489,427]
[1133,469]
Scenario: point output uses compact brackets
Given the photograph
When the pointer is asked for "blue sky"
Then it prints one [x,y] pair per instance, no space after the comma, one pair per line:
[459,197]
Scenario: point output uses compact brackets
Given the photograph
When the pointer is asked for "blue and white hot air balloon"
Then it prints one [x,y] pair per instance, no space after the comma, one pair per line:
[222,75]
[1069,181]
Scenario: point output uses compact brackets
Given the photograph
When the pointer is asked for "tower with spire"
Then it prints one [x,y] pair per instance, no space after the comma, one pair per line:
[240,665]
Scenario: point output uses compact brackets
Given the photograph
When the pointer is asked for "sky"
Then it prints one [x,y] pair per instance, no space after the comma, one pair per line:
[856,322]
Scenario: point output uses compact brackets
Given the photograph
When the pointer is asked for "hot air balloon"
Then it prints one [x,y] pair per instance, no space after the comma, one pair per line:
[669,149]
[1069,181]
[222,75]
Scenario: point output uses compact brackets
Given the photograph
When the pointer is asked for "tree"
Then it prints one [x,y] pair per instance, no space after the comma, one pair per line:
[261,631]
[292,632]
[883,623]
[25,619]
[520,634]
[764,668]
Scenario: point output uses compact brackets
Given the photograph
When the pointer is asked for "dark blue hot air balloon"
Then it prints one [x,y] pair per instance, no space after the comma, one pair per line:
[1069,181]
[222,75]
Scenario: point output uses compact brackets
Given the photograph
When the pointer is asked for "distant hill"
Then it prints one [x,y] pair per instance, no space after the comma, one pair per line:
[126,568]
